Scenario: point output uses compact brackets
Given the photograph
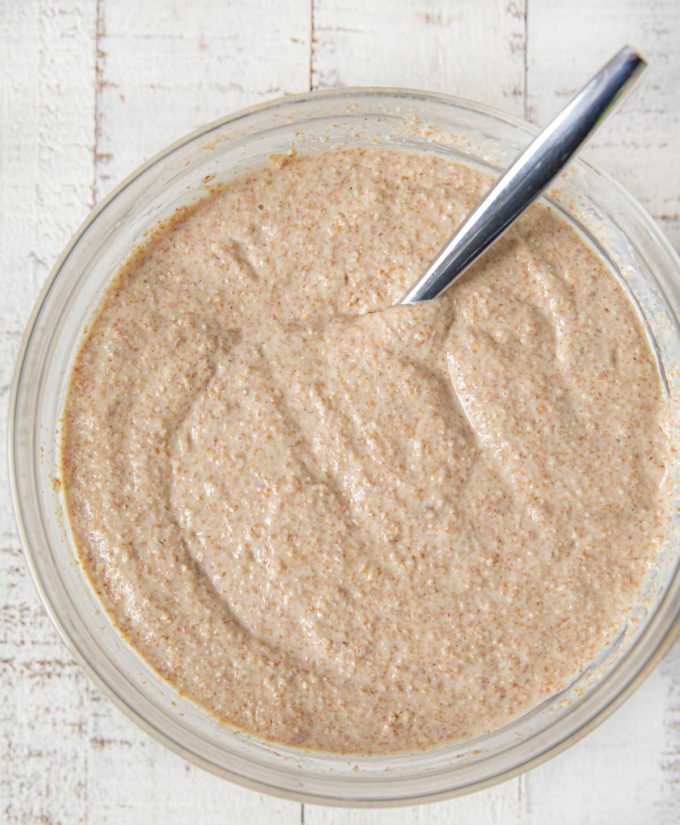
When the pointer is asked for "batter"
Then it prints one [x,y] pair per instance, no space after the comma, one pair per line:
[344,525]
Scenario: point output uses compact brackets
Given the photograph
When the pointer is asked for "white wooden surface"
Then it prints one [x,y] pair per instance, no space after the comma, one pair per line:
[88,89]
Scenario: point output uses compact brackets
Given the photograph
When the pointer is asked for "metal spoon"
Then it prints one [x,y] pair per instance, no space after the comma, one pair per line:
[529,175]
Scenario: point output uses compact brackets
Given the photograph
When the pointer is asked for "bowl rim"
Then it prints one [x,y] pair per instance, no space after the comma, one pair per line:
[137,718]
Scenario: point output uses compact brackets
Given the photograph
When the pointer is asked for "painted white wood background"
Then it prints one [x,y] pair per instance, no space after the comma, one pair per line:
[89,89]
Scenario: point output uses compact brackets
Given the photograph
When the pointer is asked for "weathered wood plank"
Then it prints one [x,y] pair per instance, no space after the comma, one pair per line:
[475,50]
[639,146]
[45,141]
[46,169]
[627,771]
[489,807]
[167,68]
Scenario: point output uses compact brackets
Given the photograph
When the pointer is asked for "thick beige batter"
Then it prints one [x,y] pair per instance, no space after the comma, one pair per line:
[348,526]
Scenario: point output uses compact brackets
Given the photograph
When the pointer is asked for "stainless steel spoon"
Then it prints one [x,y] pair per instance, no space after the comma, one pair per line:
[529,175]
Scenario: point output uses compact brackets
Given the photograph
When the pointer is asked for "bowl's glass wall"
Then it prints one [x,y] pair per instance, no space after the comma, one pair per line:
[316,123]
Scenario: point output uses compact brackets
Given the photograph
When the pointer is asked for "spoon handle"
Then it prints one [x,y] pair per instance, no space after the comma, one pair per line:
[529,175]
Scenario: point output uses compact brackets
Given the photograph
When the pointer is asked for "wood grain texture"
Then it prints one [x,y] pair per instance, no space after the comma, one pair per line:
[626,771]
[89,89]
[46,169]
[474,50]
[567,42]
[167,68]
[629,769]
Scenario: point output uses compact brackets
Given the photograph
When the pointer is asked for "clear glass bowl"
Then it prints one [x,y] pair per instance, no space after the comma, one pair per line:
[598,207]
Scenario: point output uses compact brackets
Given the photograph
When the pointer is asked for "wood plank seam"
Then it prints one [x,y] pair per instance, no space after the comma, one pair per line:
[98,74]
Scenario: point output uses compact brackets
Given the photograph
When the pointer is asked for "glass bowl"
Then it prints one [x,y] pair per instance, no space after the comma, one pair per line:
[602,211]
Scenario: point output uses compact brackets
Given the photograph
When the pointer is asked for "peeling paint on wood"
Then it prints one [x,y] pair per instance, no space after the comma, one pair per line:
[167,68]
[471,49]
